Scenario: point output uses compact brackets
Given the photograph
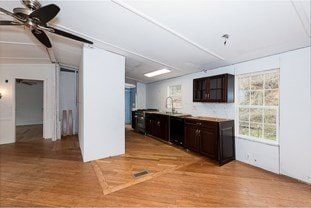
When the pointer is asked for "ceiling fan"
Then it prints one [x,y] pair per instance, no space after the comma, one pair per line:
[36,18]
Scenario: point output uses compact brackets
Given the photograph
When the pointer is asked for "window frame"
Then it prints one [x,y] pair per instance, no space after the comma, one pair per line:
[168,95]
[237,106]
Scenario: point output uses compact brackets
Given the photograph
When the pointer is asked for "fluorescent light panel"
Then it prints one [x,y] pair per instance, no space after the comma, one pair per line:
[158,72]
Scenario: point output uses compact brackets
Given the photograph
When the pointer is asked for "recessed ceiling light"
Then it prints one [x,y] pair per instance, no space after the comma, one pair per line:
[158,72]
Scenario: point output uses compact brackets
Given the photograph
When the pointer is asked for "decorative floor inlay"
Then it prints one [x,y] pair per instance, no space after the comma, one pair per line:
[144,153]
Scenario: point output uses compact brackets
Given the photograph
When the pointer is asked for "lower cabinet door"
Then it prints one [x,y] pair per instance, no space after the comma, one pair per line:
[208,143]
[192,140]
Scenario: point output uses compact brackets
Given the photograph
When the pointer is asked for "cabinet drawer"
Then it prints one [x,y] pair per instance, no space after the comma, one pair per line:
[191,121]
[210,125]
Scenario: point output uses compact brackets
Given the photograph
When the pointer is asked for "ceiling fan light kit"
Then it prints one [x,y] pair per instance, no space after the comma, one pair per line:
[36,18]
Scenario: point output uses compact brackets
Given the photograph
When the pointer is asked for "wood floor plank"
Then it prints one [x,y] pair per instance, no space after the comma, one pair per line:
[35,172]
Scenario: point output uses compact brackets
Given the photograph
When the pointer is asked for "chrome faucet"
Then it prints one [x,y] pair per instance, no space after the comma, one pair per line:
[172,101]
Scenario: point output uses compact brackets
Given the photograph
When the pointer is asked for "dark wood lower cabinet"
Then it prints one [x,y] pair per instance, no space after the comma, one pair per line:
[212,139]
[208,142]
[157,125]
[191,131]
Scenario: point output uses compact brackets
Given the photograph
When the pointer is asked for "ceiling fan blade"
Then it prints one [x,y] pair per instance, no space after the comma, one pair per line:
[69,35]
[6,12]
[46,13]
[42,37]
[11,14]
[10,23]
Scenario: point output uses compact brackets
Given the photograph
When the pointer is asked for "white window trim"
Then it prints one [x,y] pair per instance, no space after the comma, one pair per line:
[237,121]
[168,95]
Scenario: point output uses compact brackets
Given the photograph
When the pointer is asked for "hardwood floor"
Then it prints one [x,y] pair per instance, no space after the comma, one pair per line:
[37,172]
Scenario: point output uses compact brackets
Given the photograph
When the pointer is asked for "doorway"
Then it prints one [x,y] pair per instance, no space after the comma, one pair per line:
[29,110]
[129,104]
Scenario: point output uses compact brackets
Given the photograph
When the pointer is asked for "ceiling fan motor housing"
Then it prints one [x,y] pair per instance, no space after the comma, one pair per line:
[32,4]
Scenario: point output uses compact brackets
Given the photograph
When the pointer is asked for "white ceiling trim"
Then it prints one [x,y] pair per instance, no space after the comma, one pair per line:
[134,79]
[68,66]
[116,47]
[18,43]
[23,58]
[51,54]
[302,16]
[168,29]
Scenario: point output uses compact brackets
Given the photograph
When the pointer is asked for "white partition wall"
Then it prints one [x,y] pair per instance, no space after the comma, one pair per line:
[101,104]
[295,112]
[8,74]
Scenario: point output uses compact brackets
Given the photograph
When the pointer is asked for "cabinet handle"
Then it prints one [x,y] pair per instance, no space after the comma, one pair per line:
[208,95]
[158,123]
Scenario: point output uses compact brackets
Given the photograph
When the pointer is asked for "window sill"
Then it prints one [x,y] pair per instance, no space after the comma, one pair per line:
[258,141]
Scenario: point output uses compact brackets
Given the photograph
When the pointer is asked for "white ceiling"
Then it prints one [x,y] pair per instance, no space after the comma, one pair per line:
[184,36]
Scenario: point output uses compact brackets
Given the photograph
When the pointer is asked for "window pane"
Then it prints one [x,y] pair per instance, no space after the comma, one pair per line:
[244,114]
[270,132]
[244,128]
[175,92]
[244,97]
[270,116]
[244,83]
[272,80]
[257,82]
[271,97]
[256,97]
[256,115]
[256,130]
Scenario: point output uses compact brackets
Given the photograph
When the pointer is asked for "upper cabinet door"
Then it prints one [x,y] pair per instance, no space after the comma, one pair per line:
[200,90]
[218,88]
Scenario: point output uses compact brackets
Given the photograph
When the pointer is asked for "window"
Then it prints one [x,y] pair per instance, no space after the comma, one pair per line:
[258,106]
[174,91]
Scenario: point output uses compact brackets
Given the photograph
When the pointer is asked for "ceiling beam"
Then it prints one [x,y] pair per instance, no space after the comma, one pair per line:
[303,17]
[17,43]
[23,58]
[168,29]
[51,53]
[116,47]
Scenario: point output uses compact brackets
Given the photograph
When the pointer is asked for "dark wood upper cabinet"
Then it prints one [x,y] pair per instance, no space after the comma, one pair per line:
[200,90]
[218,88]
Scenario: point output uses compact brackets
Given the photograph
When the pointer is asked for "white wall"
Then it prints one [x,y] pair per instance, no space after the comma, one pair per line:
[157,93]
[68,95]
[10,72]
[140,95]
[102,104]
[295,141]
[295,95]
[29,103]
